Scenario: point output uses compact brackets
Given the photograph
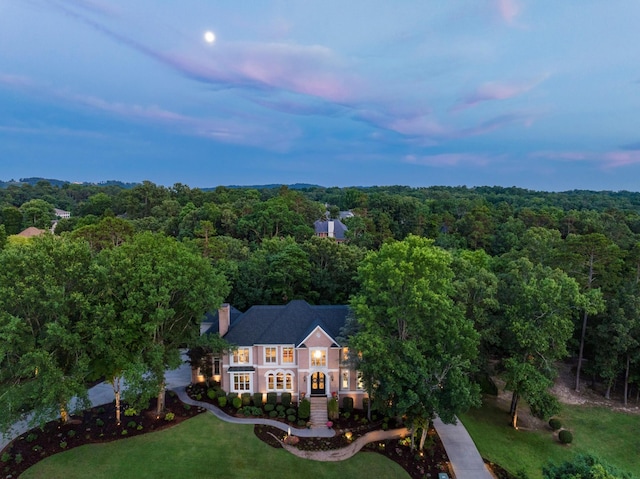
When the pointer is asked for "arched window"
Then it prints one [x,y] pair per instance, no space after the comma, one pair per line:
[279,381]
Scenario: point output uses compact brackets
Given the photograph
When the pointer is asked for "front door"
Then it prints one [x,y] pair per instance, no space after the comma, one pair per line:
[317,384]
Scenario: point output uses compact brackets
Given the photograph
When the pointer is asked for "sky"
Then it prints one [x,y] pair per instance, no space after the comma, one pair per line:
[538,94]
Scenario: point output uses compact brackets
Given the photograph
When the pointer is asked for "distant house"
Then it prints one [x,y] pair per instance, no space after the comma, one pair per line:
[290,348]
[61,213]
[335,229]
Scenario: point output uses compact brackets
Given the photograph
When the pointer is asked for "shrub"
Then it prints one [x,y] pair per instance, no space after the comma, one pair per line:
[269,407]
[256,411]
[246,411]
[347,404]
[37,448]
[565,436]
[139,427]
[272,398]
[346,414]
[333,409]
[273,414]
[291,412]
[6,457]
[63,444]
[220,392]
[132,424]
[187,407]
[246,399]
[124,433]
[304,411]
[280,408]
[281,414]
[257,399]
[18,458]
[222,401]
[198,397]
[231,396]
[71,433]
[130,412]
[555,423]
[99,422]
[31,437]
[365,404]
[237,402]
[169,416]
[291,418]
[211,394]
[302,423]
[285,399]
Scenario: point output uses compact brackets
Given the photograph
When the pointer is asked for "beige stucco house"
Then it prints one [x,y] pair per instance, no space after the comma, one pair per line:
[289,348]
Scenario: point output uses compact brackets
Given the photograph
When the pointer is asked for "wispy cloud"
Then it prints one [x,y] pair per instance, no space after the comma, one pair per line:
[497,91]
[607,159]
[237,129]
[448,159]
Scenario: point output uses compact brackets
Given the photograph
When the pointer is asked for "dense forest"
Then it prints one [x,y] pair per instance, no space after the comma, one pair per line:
[543,276]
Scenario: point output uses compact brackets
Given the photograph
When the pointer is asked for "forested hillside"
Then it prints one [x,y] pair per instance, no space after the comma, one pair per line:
[543,276]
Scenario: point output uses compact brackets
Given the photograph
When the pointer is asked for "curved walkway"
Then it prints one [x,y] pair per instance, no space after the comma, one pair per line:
[465,459]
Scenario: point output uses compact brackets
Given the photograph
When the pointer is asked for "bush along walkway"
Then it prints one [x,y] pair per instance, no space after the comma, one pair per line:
[307,432]
[461,450]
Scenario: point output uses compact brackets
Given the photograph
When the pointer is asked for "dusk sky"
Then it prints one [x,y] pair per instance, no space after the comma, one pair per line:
[538,94]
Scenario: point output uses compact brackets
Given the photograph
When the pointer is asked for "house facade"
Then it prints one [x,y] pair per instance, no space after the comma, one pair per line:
[334,229]
[290,348]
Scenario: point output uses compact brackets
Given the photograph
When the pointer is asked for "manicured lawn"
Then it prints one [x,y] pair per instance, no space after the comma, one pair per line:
[203,447]
[613,436]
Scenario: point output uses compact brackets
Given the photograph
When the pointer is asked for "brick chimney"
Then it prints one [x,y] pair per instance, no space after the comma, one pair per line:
[224,319]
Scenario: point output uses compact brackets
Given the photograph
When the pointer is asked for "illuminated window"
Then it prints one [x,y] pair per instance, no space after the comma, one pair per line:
[287,355]
[280,382]
[216,366]
[345,355]
[318,357]
[344,379]
[270,355]
[241,382]
[359,381]
[241,356]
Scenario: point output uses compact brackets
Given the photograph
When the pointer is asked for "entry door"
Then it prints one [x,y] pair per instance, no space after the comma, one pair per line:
[317,384]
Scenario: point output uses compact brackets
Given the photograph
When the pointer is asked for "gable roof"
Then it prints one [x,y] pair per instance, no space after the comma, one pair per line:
[31,231]
[213,319]
[286,324]
[339,228]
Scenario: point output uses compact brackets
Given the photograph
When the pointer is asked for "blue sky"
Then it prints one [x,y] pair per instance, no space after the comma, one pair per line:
[532,93]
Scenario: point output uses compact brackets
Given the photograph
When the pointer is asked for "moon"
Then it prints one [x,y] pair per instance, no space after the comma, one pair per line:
[209,36]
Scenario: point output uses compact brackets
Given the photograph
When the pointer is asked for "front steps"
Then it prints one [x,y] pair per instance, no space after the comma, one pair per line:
[319,415]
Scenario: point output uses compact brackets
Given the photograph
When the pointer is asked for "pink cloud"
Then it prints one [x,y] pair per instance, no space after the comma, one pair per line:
[497,91]
[448,159]
[508,10]
[607,160]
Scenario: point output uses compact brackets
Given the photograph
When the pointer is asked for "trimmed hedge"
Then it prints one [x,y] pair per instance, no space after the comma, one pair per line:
[222,401]
[272,398]
[257,399]
[237,402]
[285,399]
[304,410]
[565,436]
[347,404]
[246,399]
[333,409]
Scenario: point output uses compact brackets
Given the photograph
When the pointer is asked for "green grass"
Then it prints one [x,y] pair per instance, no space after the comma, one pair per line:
[612,436]
[203,447]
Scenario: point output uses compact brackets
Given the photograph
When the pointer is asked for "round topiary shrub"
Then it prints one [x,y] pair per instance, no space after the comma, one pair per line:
[565,436]
[211,394]
[555,423]
[222,401]
[292,418]
[237,402]
[269,407]
[273,414]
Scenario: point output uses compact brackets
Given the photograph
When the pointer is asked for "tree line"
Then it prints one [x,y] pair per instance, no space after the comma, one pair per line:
[528,277]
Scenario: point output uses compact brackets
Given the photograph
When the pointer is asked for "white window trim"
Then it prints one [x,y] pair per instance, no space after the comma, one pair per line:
[233,382]
[311,357]
[275,372]
[348,373]
[264,355]
[250,357]
[281,356]
[359,382]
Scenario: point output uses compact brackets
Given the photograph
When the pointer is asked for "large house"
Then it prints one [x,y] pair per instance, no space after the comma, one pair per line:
[290,348]
[335,229]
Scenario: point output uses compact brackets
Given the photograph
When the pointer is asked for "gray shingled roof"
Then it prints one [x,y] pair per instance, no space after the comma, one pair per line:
[339,228]
[214,319]
[288,324]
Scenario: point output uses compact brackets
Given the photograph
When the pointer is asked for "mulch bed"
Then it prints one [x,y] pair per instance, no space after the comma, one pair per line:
[96,425]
